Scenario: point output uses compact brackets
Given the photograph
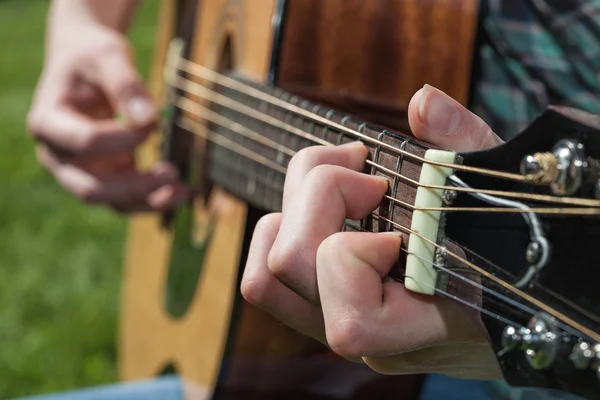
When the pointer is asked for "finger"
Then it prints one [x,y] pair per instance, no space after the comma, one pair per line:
[438,119]
[328,195]
[64,129]
[115,72]
[261,289]
[128,191]
[350,155]
[366,315]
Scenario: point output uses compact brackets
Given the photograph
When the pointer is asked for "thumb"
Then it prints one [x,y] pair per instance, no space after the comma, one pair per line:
[436,118]
[118,78]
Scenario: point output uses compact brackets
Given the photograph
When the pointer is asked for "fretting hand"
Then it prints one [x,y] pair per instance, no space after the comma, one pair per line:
[329,284]
[91,110]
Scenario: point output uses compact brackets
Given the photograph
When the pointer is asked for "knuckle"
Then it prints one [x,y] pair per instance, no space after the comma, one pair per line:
[323,175]
[86,139]
[254,290]
[35,123]
[347,337]
[307,158]
[331,247]
[282,262]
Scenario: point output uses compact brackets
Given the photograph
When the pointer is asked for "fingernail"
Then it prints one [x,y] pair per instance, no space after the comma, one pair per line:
[438,112]
[382,178]
[141,110]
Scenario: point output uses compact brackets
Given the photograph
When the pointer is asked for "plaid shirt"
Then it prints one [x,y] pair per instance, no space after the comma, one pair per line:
[534,53]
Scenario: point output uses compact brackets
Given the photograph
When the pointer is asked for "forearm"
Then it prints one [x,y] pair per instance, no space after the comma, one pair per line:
[115,14]
[72,24]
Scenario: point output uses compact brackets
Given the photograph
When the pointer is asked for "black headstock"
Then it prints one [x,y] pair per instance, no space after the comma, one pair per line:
[555,349]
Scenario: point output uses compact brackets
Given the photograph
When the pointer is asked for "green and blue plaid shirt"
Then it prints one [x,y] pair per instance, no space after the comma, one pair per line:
[534,53]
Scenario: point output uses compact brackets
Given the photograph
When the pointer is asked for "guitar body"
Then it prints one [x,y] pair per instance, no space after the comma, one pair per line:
[181,306]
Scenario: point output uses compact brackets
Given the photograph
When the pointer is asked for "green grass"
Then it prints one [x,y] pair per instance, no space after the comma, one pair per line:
[60,261]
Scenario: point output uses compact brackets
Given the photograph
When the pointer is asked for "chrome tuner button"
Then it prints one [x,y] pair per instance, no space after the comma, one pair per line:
[512,338]
[582,355]
[542,343]
[570,164]
[531,166]
[563,168]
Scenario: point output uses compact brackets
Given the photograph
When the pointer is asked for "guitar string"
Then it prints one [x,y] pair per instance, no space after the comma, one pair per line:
[501,297]
[198,90]
[560,316]
[479,286]
[506,299]
[209,115]
[438,290]
[223,80]
[586,331]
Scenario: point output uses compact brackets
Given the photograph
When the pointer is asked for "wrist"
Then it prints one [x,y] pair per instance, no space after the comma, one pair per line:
[113,14]
[73,24]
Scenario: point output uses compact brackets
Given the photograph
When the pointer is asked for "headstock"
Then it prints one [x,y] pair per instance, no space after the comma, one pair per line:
[549,259]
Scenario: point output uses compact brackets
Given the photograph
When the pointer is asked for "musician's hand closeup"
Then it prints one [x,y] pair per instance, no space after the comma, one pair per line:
[91,110]
[331,285]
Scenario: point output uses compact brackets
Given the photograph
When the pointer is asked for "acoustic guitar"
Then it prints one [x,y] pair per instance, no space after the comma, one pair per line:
[245,85]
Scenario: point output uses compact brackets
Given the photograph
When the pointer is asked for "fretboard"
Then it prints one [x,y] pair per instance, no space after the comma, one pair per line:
[254,170]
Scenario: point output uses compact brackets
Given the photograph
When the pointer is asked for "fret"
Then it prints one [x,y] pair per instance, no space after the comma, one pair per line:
[325,129]
[396,180]
[262,186]
[312,125]
[340,139]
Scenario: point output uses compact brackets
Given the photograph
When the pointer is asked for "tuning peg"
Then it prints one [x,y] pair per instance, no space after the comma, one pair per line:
[582,355]
[512,338]
[562,169]
[539,341]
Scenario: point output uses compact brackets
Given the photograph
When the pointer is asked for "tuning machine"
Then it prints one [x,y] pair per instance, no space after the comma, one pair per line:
[540,340]
[563,168]
[584,356]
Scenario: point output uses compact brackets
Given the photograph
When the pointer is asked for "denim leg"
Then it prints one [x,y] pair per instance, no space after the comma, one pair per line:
[441,387]
[161,388]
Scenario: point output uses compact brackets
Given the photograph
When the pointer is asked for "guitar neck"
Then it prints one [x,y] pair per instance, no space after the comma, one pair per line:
[253,134]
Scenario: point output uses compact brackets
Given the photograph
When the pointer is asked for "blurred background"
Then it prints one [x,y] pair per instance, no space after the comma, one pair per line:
[60,261]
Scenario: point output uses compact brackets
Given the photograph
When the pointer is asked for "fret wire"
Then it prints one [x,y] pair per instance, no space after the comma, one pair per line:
[377,150]
[203,112]
[376,155]
[259,178]
[325,128]
[478,269]
[188,124]
[396,182]
[312,124]
[341,134]
[572,211]
[291,121]
[518,195]
[243,86]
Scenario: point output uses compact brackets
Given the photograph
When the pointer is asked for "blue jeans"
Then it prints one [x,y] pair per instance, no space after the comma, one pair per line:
[435,387]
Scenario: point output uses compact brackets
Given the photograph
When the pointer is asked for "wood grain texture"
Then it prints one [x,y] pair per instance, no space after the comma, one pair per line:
[370,57]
